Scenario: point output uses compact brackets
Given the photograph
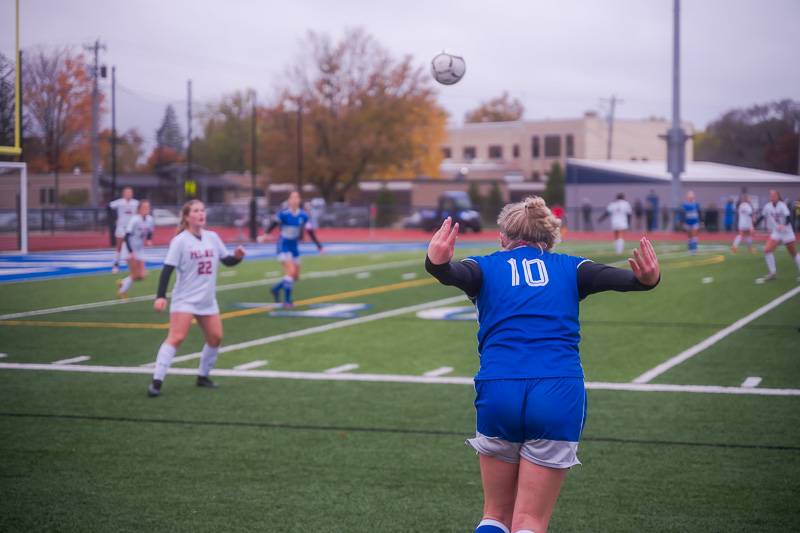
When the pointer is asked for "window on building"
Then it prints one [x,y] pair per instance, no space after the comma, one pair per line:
[552,146]
[569,141]
[447,153]
[535,176]
[535,147]
[469,153]
[495,151]
[515,151]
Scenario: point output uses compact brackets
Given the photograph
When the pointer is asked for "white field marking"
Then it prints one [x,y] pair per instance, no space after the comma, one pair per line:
[227,273]
[227,287]
[320,329]
[79,359]
[751,382]
[341,369]
[409,275]
[392,378]
[441,371]
[708,280]
[251,365]
[759,281]
[363,275]
[3,355]
[715,338]
[271,273]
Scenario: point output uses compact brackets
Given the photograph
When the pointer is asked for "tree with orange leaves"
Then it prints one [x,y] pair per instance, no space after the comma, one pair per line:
[57,105]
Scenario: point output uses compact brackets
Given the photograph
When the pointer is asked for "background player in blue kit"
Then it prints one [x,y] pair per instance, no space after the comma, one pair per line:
[691,219]
[531,401]
[292,222]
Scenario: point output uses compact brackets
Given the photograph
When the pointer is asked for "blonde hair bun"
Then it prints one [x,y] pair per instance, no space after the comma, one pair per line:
[530,222]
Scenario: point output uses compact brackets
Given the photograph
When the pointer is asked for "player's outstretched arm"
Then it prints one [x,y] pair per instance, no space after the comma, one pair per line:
[644,275]
[466,275]
[644,263]
[443,243]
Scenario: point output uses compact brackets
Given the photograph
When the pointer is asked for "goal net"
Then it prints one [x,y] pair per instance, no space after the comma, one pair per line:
[13,207]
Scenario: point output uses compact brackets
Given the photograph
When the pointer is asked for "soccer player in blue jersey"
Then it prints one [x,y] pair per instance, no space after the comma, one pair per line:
[292,222]
[531,401]
[691,220]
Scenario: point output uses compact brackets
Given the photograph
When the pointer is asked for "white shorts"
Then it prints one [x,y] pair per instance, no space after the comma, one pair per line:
[785,236]
[745,225]
[119,233]
[195,309]
[288,256]
[619,227]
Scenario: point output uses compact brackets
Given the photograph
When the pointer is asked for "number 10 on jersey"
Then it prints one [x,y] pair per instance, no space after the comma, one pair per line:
[539,279]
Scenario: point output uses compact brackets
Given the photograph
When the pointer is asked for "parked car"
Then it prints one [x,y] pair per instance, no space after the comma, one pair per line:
[456,204]
[165,217]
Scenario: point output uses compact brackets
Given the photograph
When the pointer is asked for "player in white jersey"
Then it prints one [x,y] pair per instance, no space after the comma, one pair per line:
[138,234]
[124,208]
[745,214]
[620,212]
[777,216]
[195,253]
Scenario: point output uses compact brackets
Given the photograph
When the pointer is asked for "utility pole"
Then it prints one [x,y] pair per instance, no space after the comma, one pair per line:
[613,101]
[113,131]
[95,190]
[253,164]
[300,145]
[676,137]
[189,133]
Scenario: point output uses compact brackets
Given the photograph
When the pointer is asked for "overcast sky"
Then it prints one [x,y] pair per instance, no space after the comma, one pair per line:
[560,57]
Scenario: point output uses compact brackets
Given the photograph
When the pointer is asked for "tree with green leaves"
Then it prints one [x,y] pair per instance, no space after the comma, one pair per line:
[169,142]
[7,99]
[227,125]
[500,109]
[554,190]
[494,204]
[385,202]
[475,196]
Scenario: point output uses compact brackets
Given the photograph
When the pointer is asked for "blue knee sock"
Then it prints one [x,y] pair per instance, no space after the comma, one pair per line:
[287,288]
[275,290]
[491,526]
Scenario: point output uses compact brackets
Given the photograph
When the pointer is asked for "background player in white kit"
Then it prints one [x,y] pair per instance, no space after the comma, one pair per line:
[195,253]
[124,209]
[138,234]
[620,212]
[745,223]
[777,215]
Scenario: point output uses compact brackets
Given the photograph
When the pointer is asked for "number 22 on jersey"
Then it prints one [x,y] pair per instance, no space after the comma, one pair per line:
[537,279]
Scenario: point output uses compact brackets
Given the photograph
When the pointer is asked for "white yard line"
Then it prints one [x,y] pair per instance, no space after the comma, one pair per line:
[392,378]
[441,371]
[251,365]
[715,338]
[3,355]
[751,382]
[342,369]
[226,287]
[79,359]
[321,329]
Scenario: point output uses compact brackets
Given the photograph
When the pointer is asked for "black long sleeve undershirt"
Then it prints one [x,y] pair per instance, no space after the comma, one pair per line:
[313,235]
[163,281]
[230,260]
[592,277]
[128,242]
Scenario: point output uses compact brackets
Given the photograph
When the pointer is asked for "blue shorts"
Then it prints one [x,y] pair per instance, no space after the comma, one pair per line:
[540,420]
[288,250]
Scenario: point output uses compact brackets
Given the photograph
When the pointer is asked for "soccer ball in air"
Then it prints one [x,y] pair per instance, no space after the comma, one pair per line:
[448,69]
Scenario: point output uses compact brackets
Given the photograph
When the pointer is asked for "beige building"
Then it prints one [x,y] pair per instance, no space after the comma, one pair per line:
[528,148]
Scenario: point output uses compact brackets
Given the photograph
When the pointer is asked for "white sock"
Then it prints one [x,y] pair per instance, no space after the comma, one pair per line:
[737,241]
[163,361]
[208,359]
[126,285]
[116,257]
[619,245]
[769,257]
[749,242]
[797,260]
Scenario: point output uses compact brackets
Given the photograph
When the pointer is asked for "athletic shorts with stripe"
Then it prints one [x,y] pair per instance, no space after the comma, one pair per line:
[540,420]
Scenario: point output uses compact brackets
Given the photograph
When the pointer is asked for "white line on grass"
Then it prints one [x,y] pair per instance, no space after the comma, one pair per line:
[751,382]
[320,329]
[715,338]
[441,371]
[251,365]
[393,378]
[227,287]
[79,359]
[3,355]
[342,369]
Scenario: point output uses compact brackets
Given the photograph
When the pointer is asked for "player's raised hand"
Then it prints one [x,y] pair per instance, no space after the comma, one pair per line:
[160,304]
[644,263]
[443,243]
[239,252]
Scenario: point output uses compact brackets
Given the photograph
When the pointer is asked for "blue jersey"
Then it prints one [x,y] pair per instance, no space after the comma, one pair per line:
[528,315]
[691,212]
[292,224]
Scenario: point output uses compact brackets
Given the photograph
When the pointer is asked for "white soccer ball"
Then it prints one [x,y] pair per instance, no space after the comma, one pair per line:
[448,69]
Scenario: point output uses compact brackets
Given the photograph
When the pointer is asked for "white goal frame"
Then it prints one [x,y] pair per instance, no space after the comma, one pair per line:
[23,202]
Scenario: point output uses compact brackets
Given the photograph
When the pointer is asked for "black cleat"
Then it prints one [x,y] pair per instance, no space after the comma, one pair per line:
[154,389]
[203,381]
